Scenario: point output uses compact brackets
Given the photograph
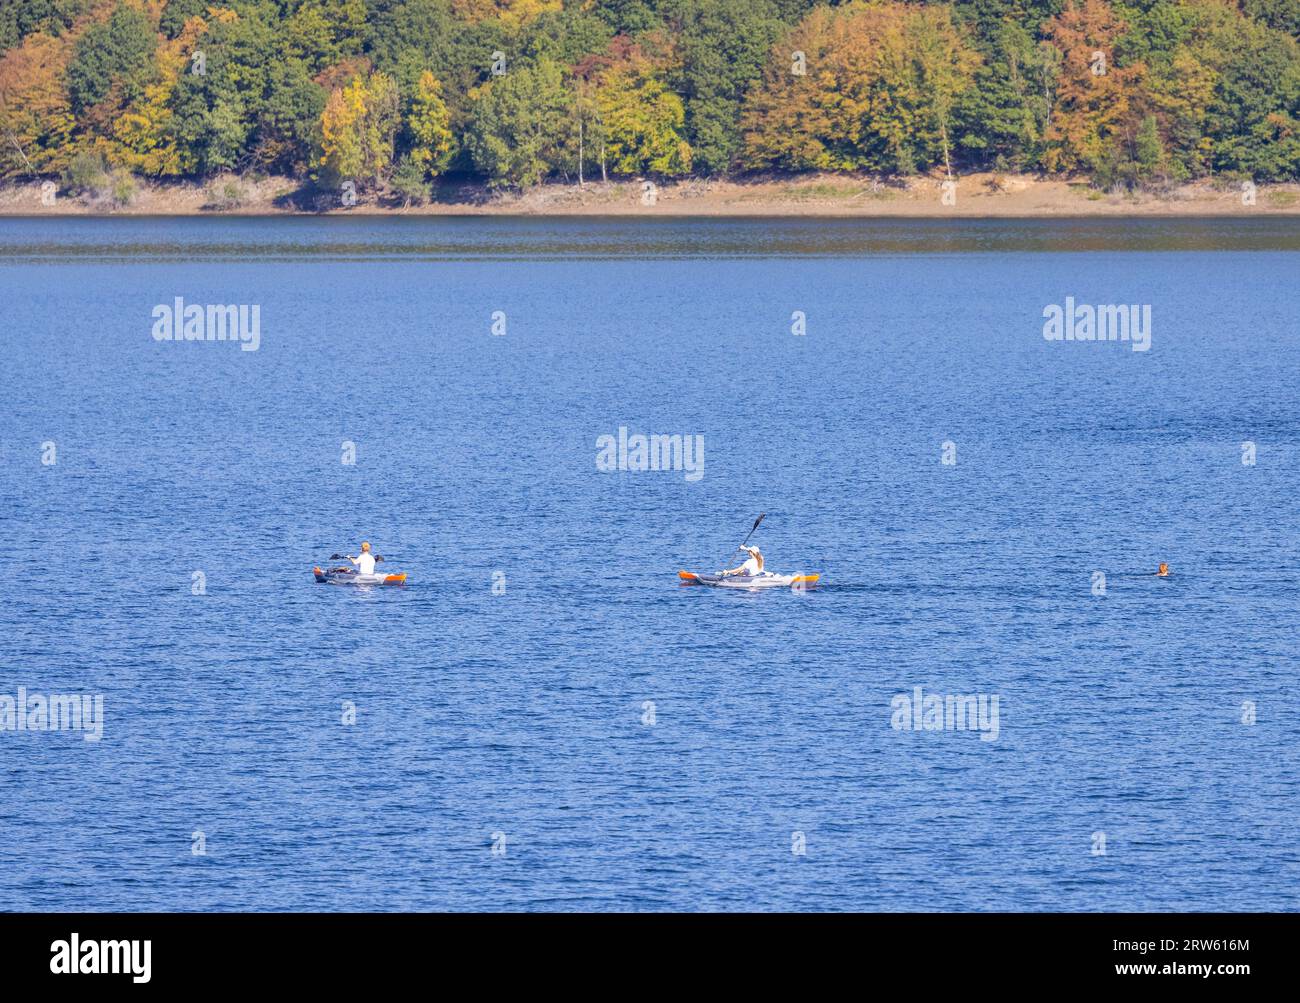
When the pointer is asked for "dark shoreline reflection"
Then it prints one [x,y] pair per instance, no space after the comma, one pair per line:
[497,238]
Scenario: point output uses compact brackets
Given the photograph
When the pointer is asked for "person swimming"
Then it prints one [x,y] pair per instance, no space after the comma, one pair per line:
[752,567]
[1163,570]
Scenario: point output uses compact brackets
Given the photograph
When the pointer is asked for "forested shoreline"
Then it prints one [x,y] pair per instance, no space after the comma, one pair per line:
[393,95]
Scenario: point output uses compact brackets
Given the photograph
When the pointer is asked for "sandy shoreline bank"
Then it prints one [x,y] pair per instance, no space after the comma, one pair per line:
[970,196]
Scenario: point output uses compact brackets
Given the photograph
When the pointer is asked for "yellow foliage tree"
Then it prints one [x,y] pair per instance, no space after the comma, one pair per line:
[641,121]
[874,88]
[358,128]
[143,139]
[512,13]
[430,125]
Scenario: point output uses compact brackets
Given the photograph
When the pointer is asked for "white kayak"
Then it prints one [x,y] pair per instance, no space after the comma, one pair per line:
[348,576]
[766,580]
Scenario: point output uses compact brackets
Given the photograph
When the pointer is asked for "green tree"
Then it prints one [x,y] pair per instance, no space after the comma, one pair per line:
[410,182]
[1000,120]
[723,45]
[1149,150]
[177,12]
[216,112]
[631,17]
[288,119]
[118,52]
[1253,119]
[1283,15]
[522,127]
[20,18]
[324,32]
[940,73]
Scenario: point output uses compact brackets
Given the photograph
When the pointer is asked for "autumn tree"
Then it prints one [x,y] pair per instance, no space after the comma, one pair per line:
[642,121]
[1094,111]
[358,129]
[796,118]
[876,88]
[142,137]
[930,67]
[1171,39]
[510,12]
[1125,91]
[37,122]
[428,124]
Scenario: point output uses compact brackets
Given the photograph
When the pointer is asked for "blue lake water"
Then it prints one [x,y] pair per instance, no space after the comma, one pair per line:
[501,756]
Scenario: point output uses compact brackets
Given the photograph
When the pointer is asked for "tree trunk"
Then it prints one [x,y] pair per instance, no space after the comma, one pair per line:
[18,146]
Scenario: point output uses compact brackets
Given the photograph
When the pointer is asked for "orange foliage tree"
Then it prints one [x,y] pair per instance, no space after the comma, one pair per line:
[36,119]
[1098,104]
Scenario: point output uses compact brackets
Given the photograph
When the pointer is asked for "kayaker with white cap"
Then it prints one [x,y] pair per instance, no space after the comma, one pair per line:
[752,567]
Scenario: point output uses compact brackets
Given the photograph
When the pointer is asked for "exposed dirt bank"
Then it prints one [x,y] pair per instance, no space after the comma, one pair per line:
[973,195]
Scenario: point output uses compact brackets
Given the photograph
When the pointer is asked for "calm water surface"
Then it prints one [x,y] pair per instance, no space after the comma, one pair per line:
[519,717]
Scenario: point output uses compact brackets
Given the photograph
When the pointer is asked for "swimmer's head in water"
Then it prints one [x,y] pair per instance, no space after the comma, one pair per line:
[1164,569]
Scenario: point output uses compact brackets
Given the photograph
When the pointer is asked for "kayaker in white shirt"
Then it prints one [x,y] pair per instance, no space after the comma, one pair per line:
[366,562]
[752,567]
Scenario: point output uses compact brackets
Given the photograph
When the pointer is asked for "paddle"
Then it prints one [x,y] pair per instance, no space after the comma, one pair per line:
[344,557]
[761,517]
